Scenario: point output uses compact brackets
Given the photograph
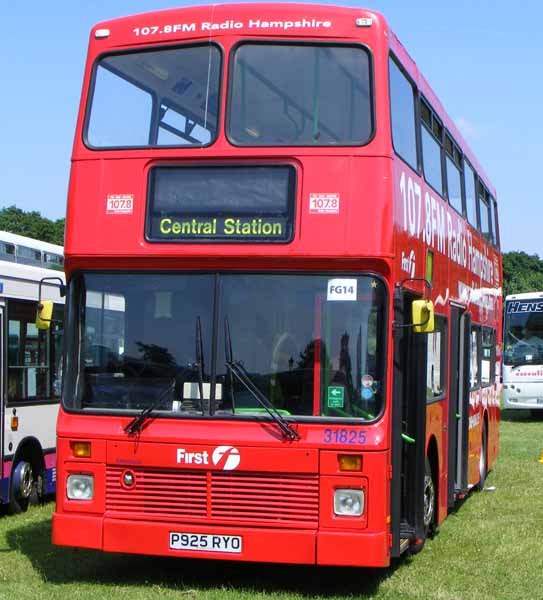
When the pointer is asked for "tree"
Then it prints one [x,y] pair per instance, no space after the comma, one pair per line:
[32,224]
[522,272]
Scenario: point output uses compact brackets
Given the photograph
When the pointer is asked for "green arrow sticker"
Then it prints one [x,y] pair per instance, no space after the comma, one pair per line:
[335,397]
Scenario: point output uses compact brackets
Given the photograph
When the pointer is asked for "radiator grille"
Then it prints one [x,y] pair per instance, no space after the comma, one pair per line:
[215,496]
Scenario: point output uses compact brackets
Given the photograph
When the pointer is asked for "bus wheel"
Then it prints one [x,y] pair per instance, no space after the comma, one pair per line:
[429,509]
[24,487]
[429,499]
[483,461]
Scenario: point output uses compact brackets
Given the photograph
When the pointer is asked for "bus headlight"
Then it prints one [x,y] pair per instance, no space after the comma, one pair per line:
[349,503]
[80,487]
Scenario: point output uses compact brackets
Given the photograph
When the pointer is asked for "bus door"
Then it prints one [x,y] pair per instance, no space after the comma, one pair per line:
[458,414]
[408,428]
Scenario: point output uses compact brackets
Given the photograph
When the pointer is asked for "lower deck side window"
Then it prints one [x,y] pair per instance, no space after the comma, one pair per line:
[436,360]
[474,371]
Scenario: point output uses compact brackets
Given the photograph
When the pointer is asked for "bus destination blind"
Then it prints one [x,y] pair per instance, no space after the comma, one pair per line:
[221,204]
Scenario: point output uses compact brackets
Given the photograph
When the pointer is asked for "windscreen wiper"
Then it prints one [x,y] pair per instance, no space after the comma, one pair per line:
[229,358]
[136,424]
[237,370]
[200,361]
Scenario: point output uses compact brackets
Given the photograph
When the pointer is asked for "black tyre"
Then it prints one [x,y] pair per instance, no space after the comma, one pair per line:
[483,460]
[429,500]
[429,509]
[26,487]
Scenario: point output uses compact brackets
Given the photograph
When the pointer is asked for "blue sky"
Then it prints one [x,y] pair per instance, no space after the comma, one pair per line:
[482,58]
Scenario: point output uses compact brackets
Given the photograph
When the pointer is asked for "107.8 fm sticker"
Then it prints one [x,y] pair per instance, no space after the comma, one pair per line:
[324,204]
[120,204]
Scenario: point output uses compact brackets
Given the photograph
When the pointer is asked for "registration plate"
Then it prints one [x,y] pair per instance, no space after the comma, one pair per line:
[205,542]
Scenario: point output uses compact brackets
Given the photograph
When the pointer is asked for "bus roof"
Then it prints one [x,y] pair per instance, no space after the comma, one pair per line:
[340,22]
[244,8]
[524,296]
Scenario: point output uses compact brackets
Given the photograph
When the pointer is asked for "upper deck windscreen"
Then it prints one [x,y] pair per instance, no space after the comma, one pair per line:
[280,94]
[164,97]
[311,95]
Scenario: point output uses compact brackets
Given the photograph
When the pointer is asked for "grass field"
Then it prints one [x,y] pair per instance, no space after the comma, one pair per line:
[491,547]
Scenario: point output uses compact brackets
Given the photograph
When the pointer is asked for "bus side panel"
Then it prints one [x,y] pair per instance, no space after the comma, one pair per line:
[435,418]
[475,435]
[36,425]
[493,410]
[50,472]
[4,482]
[4,489]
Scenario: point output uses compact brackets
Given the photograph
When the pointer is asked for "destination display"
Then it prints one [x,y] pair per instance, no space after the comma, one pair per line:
[534,305]
[221,204]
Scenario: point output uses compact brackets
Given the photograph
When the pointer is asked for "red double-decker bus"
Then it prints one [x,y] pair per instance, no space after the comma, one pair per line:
[283,313]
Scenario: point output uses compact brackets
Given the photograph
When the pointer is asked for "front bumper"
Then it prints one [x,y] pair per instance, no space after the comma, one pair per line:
[530,397]
[259,544]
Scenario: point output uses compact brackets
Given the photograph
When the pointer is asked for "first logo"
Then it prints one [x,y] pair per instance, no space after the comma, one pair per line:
[226,457]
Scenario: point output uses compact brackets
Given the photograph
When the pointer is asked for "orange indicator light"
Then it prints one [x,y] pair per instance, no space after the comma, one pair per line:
[350,462]
[81,449]
[14,423]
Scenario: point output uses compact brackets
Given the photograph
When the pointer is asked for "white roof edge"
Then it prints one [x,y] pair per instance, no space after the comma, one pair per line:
[525,296]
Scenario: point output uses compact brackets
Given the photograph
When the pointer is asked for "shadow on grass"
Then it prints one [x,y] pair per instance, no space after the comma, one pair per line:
[521,416]
[71,565]
[458,507]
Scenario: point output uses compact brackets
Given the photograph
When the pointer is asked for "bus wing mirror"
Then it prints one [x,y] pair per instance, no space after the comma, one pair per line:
[44,314]
[422,316]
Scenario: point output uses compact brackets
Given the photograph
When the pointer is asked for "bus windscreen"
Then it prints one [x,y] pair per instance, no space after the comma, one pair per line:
[314,345]
[523,332]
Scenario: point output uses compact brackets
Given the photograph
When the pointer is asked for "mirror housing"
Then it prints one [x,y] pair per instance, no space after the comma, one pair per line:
[422,316]
[44,314]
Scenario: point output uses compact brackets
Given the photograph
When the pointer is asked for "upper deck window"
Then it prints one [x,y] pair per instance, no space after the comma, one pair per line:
[469,184]
[494,222]
[300,95]
[453,166]
[53,261]
[7,251]
[402,113]
[166,97]
[484,210]
[432,140]
[28,256]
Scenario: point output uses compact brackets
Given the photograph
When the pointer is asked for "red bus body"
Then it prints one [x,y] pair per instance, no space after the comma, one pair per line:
[387,220]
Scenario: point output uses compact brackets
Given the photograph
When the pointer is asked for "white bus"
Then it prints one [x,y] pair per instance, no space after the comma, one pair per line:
[27,251]
[30,374]
[523,352]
